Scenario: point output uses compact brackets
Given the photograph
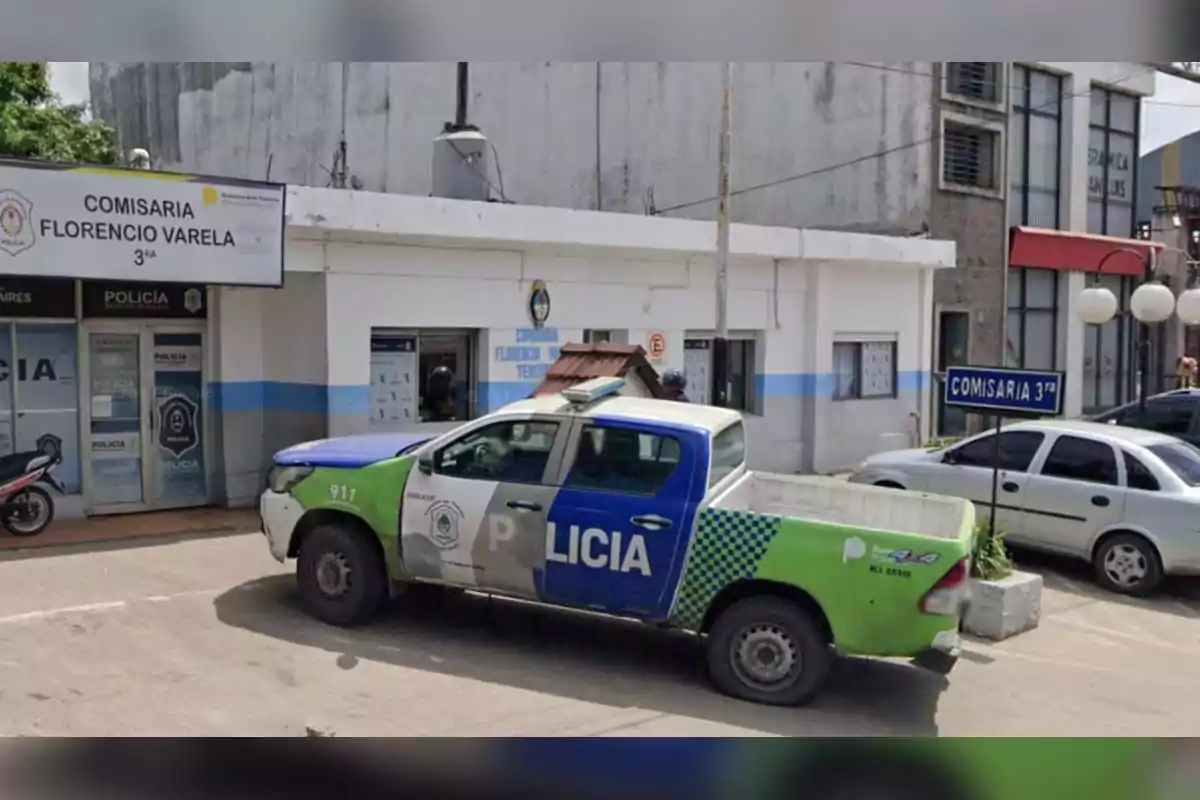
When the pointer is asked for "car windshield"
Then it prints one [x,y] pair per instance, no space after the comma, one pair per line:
[1181,458]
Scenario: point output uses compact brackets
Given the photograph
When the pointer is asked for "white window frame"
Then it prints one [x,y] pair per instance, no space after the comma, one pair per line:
[753,401]
[858,340]
[999,156]
[1001,95]
[473,361]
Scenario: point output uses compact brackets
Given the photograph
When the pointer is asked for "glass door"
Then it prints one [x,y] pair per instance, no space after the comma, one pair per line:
[176,449]
[146,417]
[116,421]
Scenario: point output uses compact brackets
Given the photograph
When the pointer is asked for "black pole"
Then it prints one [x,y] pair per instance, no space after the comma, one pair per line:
[1144,350]
[720,373]
[995,477]
[460,108]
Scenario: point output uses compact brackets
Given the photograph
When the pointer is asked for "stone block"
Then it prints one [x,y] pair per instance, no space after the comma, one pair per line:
[1004,608]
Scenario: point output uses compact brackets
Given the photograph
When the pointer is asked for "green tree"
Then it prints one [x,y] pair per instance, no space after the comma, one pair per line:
[35,123]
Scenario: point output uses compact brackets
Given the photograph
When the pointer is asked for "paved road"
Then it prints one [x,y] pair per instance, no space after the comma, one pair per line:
[204,637]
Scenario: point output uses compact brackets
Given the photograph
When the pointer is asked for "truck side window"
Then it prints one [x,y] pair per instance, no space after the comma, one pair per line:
[728,452]
[507,452]
[623,460]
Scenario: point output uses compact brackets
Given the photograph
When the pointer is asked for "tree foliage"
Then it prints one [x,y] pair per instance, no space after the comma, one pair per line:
[35,123]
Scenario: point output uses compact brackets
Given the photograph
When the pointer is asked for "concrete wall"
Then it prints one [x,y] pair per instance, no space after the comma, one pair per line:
[268,390]
[396,286]
[867,303]
[614,136]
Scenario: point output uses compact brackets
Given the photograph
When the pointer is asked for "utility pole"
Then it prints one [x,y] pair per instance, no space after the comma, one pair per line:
[720,353]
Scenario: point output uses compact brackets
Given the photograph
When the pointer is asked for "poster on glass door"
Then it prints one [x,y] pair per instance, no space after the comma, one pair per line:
[697,367]
[178,433]
[114,440]
[393,380]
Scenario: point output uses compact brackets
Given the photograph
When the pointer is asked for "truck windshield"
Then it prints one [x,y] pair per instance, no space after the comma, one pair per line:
[1181,458]
[728,452]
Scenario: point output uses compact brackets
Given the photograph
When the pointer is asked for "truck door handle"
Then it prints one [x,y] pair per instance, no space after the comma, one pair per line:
[1009,486]
[652,522]
[524,505]
[1100,500]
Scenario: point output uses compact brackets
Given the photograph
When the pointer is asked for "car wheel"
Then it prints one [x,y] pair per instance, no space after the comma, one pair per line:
[768,650]
[888,485]
[1129,564]
[341,575]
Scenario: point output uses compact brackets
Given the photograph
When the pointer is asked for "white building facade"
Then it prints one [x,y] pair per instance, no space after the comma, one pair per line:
[831,356]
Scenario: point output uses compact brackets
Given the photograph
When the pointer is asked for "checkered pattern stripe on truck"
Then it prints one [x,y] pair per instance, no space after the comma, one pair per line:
[728,547]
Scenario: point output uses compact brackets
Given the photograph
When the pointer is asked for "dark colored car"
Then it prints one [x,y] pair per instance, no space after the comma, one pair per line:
[1176,413]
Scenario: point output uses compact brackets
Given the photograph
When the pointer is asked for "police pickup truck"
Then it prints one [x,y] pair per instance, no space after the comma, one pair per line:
[635,508]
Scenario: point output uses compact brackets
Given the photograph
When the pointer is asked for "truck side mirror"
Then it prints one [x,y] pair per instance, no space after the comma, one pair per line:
[425,463]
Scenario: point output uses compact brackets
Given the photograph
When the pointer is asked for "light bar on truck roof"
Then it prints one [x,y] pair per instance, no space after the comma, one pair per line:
[593,390]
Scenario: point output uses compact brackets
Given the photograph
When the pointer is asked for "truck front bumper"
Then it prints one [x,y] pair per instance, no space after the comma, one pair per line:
[942,654]
[279,513]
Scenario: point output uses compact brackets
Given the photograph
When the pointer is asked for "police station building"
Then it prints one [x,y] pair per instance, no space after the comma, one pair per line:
[171,332]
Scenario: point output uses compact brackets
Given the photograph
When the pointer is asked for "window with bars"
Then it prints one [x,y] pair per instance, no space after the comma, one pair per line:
[975,80]
[969,155]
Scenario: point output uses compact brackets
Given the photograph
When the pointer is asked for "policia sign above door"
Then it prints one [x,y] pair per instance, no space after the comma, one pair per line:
[89,222]
[119,300]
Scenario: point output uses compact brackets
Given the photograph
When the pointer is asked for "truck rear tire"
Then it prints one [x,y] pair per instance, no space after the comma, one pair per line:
[768,650]
[342,578]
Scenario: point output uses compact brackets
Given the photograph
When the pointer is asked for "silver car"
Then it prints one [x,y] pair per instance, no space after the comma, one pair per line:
[1127,500]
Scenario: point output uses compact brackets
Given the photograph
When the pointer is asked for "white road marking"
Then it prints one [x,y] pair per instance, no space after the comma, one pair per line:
[113,605]
[1083,665]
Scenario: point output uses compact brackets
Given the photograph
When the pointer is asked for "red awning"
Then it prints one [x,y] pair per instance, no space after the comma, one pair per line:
[1080,252]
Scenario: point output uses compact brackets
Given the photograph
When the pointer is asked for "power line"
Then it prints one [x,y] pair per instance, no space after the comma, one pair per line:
[475,168]
[870,156]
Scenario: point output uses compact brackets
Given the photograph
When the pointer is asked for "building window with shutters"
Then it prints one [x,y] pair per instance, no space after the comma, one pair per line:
[971,156]
[1112,162]
[978,83]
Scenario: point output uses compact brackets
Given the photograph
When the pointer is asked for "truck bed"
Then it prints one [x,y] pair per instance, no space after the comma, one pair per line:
[836,501]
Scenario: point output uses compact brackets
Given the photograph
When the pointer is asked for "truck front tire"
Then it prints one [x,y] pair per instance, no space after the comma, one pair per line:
[341,576]
[768,650]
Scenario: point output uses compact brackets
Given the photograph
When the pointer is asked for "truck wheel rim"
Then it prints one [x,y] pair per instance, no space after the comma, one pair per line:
[333,574]
[1125,565]
[765,657]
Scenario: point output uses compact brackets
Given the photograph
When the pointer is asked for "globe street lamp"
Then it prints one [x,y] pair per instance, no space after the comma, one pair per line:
[1151,303]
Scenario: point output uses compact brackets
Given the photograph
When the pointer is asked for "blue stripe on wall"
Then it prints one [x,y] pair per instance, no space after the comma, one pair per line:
[821,384]
[297,398]
[310,398]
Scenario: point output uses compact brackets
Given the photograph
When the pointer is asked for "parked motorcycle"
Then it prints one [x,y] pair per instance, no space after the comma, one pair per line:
[26,508]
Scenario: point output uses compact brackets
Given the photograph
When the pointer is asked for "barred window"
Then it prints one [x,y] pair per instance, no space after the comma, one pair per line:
[977,80]
[969,157]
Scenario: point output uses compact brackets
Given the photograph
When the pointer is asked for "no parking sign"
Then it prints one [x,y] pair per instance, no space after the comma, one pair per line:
[656,346]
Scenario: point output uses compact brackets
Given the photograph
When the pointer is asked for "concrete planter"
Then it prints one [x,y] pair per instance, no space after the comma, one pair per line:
[1004,608]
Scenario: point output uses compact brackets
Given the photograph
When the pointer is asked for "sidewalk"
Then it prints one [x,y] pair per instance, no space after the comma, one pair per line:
[122,527]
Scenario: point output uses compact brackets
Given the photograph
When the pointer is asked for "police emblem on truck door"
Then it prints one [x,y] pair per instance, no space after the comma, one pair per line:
[177,428]
[444,517]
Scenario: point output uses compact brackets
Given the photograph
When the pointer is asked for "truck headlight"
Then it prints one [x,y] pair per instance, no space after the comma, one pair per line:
[282,479]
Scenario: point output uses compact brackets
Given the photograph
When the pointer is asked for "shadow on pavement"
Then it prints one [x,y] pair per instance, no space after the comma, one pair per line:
[126,543]
[607,662]
[1179,596]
